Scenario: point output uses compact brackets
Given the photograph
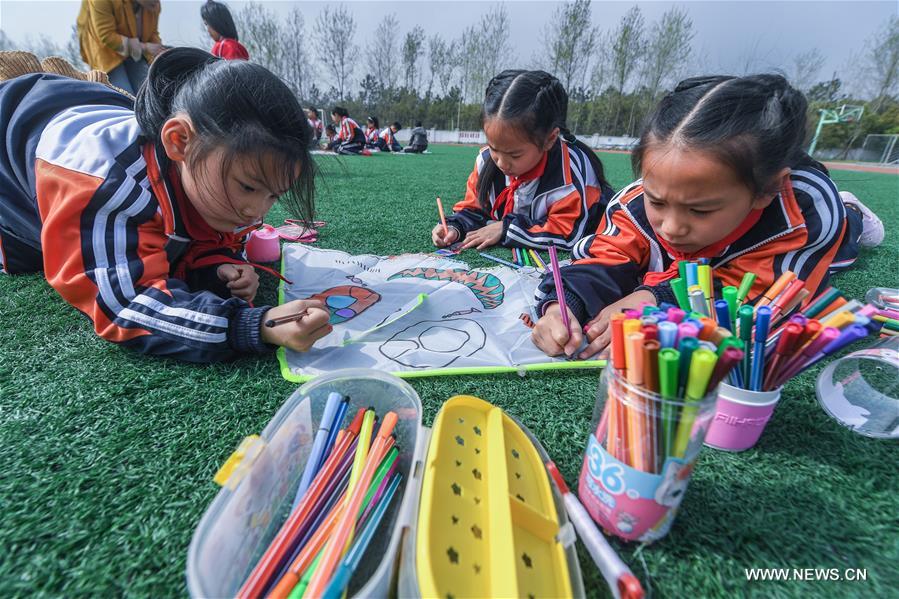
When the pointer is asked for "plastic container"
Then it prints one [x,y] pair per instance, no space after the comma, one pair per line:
[258,491]
[264,245]
[639,457]
[489,508]
[740,417]
[861,390]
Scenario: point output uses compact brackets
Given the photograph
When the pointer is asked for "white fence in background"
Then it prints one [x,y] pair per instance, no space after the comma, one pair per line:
[599,142]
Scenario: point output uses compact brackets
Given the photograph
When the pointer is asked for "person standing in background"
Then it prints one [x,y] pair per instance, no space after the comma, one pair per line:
[223,32]
[120,38]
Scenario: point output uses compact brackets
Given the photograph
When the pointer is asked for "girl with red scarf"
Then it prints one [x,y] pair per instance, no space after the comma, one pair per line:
[221,28]
[137,210]
[534,185]
[724,177]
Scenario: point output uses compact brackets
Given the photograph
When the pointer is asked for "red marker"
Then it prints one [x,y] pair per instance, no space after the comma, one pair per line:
[730,357]
[442,217]
[785,346]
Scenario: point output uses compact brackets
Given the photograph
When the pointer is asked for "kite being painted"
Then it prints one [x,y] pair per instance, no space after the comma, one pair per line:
[487,288]
[435,343]
[347,301]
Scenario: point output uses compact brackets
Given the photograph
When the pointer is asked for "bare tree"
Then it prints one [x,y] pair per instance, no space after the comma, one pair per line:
[413,50]
[5,42]
[296,69]
[668,50]
[42,46]
[627,47]
[381,55]
[569,41]
[470,47]
[495,48]
[261,34]
[333,34]
[72,50]
[442,62]
[806,66]
[883,62]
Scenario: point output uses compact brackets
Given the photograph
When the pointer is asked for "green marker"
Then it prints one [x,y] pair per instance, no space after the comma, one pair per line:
[297,592]
[729,342]
[822,302]
[745,317]
[668,367]
[682,269]
[701,366]
[745,286]
[729,294]
[687,346]
[679,287]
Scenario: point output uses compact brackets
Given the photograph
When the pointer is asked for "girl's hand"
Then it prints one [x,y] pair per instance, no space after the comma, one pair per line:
[598,332]
[484,237]
[243,282]
[441,240]
[300,334]
[549,333]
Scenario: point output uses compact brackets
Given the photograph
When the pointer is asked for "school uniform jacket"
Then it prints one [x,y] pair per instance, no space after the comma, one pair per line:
[350,132]
[388,136]
[371,135]
[102,213]
[559,208]
[804,230]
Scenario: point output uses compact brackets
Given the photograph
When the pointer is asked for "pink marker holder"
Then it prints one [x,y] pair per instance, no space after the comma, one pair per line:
[740,417]
[264,245]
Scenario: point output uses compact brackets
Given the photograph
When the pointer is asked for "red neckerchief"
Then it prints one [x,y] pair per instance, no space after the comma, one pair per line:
[206,242]
[711,251]
[505,201]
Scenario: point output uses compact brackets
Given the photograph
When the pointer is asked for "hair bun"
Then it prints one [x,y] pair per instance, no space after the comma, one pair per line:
[699,81]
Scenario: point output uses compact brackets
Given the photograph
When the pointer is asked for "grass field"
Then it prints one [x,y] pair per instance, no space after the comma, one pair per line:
[107,456]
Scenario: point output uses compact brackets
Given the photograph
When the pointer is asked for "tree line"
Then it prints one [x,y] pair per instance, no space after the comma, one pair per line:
[614,76]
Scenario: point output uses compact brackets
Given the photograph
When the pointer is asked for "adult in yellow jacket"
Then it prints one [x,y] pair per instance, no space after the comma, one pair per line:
[120,37]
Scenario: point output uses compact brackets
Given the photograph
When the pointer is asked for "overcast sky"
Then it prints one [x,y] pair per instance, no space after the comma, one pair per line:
[729,35]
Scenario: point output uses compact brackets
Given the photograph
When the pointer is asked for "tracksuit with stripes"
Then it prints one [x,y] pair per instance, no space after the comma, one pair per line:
[806,230]
[559,208]
[100,210]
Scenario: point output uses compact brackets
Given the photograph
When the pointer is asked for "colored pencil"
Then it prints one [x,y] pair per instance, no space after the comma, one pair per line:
[560,288]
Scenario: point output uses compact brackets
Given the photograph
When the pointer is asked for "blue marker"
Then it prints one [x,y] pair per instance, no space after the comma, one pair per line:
[351,560]
[667,334]
[723,313]
[500,260]
[333,430]
[762,322]
[321,437]
[692,274]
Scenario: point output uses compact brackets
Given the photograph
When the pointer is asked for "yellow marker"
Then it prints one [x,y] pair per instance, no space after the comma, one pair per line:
[839,320]
[708,289]
[631,325]
[702,363]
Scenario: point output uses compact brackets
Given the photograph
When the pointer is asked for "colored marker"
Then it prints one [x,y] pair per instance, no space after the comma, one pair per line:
[318,446]
[702,363]
[817,305]
[697,301]
[745,314]
[686,347]
[745,286]
[722,310]
[499,260]
[667,334]
[442,217]
[692,274]
[668,382]
[334,430]
[729,294]
[621,581]
[560,289]
[762,321]
[679,287]
[352,559]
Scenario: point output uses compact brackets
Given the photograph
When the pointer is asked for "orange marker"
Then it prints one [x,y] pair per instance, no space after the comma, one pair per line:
[616,321]
[633,348]
[776,289]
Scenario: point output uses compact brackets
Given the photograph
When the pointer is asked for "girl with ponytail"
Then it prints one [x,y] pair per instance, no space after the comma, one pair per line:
[534,185]
[137,212]
[723,177]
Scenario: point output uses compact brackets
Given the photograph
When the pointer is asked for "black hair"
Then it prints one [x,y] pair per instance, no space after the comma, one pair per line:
[340,111]
[535,103]
[216,15]
[313,109]
[374,121]
[754,124]
[418,123]
[397,125]
[330,127]
[259,118]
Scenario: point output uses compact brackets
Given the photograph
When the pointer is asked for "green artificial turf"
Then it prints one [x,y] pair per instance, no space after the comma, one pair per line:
[106,456]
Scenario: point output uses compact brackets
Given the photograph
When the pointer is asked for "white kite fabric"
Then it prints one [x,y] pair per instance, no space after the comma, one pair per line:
[413,314]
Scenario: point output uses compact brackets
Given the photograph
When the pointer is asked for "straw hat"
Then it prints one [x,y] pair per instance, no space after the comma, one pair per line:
[15,63]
